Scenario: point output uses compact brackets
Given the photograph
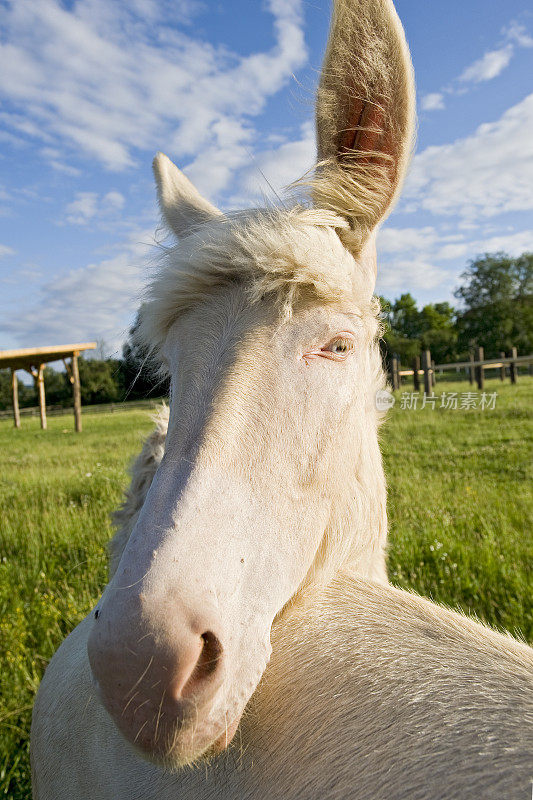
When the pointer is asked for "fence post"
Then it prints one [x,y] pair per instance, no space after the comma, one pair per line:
[426,366]
[433,373]
[480,373]
[502,368]
[394,370]
[416,377]
[471,369]
[513,367]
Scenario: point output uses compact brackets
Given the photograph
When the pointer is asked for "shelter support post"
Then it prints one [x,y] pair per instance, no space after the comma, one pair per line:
[15,391]
[38,377]
[76,391]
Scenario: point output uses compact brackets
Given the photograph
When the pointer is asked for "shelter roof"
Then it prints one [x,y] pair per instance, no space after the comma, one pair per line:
[33,356]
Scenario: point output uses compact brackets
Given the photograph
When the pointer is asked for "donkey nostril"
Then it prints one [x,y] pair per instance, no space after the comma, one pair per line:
[210,655]
[206,665]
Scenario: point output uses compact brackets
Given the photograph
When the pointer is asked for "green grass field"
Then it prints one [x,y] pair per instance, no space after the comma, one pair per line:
[460,507]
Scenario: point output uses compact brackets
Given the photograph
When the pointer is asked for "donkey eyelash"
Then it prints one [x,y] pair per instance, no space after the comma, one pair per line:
[337,349]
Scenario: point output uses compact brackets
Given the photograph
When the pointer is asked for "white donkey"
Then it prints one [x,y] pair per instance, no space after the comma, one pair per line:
[265,518]
[371,693]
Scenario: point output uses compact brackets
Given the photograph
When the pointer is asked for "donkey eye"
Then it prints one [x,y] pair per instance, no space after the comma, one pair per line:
[339,347]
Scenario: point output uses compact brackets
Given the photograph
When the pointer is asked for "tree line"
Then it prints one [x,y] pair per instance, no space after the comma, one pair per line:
[495,311]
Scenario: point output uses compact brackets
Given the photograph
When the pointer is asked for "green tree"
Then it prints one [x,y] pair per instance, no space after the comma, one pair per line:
[497,300]
[401,328]
[439,331]
[139,371]
[27,395]
[406,317]
[57,387]
[100,380]
[408,330]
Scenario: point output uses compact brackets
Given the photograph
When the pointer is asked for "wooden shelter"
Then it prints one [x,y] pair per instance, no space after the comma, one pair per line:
[33,360]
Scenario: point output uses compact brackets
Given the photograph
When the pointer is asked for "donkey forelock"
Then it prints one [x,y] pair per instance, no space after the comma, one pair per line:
[289,255]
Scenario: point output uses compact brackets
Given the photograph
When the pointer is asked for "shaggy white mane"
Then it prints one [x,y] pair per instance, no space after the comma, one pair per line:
[291,255]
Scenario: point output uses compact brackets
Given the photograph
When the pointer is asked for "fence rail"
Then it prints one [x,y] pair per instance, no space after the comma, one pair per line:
[102,408]
[476,366]
[487,363]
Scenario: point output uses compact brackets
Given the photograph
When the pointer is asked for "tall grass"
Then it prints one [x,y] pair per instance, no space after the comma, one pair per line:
[461,503]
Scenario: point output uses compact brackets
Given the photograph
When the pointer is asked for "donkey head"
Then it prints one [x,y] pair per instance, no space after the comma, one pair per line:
[271,477]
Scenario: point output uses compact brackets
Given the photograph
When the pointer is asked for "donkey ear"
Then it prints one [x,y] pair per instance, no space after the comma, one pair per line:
[182,206]
[365,114]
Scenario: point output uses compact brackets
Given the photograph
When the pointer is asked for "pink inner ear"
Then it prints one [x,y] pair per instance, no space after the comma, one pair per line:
[366,132]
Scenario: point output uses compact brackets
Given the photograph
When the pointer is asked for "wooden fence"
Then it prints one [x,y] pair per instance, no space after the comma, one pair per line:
[101,408]
[424,367]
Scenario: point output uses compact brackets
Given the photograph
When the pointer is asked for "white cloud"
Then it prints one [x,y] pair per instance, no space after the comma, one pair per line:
[487,173]
[407,259]
[401,240]
[88,206]
[55,159]
[512,243]
[517,33]
[274,169]
[432,102]
[417,259]
[96,301]
[136,80]
[414,274]
[6,251]
[113,200]
[488,66]
[82,209]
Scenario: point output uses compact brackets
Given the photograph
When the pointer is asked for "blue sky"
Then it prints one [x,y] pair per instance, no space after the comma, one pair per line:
[90,90]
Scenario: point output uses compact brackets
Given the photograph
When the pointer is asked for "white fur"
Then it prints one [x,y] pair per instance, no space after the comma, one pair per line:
[371,694]
[180,202]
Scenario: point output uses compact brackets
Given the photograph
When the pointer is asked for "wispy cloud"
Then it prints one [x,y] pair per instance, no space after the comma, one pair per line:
[88,205]
[482,175]
[517,33]
[411,274]
[486,68]
[137,80]
[417,259]
[273,169]
[6,251]
[434,101]
[95,301]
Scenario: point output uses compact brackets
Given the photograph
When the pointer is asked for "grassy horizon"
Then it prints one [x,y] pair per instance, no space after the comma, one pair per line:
[459,505]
